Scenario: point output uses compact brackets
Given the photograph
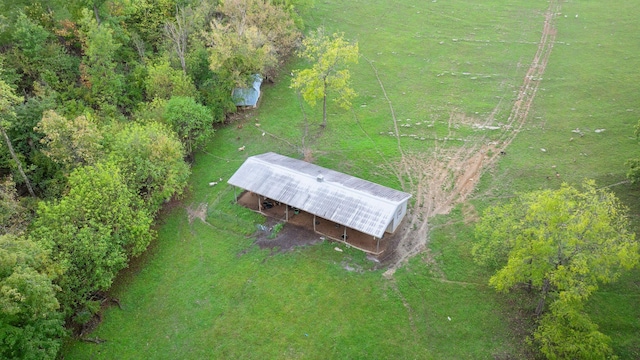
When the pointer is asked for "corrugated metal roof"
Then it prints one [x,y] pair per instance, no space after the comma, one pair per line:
[344,199]
[248,96]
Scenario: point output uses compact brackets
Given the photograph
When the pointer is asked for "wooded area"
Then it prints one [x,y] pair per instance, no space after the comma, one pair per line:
[103,104]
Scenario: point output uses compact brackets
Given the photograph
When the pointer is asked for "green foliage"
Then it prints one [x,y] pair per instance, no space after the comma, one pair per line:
[329,57]
[150,158]
[99,75]
[37,60]
[572,239]
[565,243]
[566,332]
[252,37]
[92,232]
[71,143]
[191,121]
[163,82]
[30,325]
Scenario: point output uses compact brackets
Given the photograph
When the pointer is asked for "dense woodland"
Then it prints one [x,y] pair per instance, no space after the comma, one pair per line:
[103,104]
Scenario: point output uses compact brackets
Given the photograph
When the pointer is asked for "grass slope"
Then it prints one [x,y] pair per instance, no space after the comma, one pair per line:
[203,291]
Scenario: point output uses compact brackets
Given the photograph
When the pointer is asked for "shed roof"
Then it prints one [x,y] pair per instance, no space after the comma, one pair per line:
[248,96]
[347,200]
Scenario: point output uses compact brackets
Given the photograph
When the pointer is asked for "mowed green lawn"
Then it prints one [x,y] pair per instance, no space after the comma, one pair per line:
[204,291]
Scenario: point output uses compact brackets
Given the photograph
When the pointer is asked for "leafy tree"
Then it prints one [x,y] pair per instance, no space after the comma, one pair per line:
[163,82]
[564,243]
[253,36]
[30,324]
[92,232]
[8,99]
[329,57]
[151,160]
[98,67]
[71,143]
[190,120]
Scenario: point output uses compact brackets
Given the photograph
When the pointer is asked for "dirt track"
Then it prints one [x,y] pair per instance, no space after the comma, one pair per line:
[440,180]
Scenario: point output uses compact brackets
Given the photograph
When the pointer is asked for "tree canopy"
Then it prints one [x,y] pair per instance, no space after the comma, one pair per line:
[92,232]
[563,243]
[30,324]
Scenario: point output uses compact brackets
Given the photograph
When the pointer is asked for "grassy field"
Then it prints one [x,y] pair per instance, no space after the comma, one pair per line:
[203,291]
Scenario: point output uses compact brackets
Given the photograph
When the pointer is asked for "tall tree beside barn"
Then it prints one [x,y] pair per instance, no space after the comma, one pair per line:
[330,57]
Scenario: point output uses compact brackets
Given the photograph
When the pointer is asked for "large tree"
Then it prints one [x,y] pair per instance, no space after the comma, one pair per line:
[71,143]
[562,243]
[250,36]
[329,57]
[99,67]
[192,121]
[92,232]
[151,159]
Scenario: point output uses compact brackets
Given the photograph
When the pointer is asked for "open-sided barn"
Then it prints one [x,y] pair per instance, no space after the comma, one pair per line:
[340,206]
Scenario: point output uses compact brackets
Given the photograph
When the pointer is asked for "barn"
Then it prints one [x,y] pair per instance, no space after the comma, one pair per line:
[339,206]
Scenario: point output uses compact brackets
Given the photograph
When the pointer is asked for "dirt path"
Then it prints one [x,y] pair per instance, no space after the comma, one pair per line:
[440,180]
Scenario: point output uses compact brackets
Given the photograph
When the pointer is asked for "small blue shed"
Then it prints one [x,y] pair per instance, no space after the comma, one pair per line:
[248,97]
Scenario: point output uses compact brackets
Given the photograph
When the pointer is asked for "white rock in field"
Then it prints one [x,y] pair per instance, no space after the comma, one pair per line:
[337,249]
[543,149]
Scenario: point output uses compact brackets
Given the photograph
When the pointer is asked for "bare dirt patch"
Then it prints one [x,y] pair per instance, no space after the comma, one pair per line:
[440,180]
[290,237]
[197,212]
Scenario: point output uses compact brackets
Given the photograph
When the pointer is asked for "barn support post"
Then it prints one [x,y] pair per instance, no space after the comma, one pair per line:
[314,222]
[377,244]
[259,203]
[344,235]
[286,212]
[234,194]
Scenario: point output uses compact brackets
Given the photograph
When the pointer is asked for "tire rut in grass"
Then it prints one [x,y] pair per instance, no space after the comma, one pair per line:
[446,177]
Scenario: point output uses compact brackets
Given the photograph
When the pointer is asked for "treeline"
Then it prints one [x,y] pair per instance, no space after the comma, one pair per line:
[103,104]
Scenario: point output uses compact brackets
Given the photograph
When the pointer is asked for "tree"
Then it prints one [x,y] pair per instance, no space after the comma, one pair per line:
[251,37]
[329,57]
[92,232]
[163,82]
[8,99]
[151,159]
[178,34]
[563,243]
[71,143]
[98,67]
[190,120]
[30,324]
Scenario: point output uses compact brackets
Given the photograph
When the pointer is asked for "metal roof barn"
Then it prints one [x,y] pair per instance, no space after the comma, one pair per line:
[344,199]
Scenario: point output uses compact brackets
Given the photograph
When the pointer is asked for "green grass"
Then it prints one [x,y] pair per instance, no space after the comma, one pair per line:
[203,290]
